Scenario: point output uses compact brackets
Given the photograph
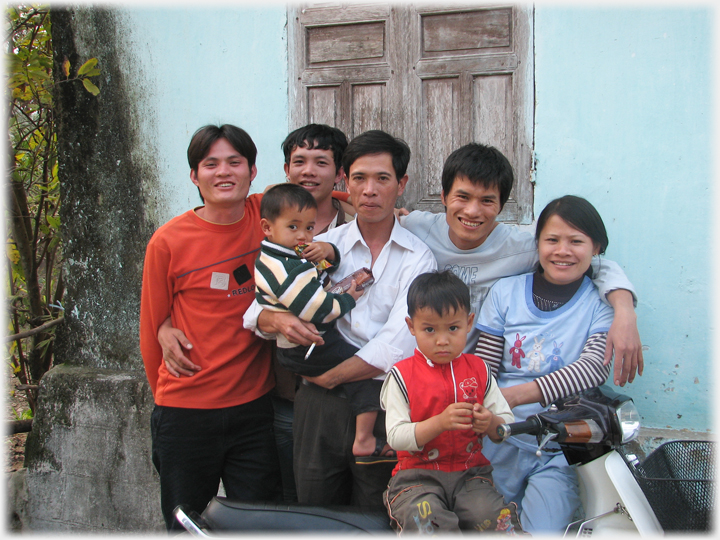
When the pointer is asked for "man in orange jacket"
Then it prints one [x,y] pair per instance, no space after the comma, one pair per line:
[213,415]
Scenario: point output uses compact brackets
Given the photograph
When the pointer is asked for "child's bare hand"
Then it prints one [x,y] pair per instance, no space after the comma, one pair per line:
[456,416]
[317,251]
[353,292]
[481,418]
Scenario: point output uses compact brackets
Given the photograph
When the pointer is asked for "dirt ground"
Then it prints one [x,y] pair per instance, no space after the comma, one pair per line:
[15,405]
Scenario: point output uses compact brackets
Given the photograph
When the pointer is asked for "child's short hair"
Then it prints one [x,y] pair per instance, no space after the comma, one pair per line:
[440,291]
[279,198]
[482,165]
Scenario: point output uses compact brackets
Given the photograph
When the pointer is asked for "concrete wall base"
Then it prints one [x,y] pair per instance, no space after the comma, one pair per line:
[88,457]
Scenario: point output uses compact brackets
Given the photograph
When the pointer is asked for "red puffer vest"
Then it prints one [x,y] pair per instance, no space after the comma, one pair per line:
[430,389]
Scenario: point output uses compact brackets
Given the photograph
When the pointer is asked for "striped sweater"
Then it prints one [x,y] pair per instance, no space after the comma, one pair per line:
[285,282]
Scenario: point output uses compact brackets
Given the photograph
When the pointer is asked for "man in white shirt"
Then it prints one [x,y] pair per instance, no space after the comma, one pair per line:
[326,472]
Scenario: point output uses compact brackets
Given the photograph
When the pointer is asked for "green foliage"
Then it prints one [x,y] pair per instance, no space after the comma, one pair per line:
[34,244]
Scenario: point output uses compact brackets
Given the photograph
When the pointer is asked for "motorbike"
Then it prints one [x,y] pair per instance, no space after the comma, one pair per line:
[670,490]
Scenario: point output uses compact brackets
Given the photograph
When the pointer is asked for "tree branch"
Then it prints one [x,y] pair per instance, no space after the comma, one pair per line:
[36,330]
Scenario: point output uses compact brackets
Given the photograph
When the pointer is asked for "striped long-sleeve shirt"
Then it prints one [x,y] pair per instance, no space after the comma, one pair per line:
[285,282]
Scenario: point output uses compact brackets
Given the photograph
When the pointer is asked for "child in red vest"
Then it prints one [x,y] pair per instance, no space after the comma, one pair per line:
[440,403]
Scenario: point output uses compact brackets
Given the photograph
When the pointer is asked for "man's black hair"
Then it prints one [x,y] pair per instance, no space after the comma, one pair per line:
[484,165]
[281,197]
[316,136]
[378,142]
[441,292]
[206,136]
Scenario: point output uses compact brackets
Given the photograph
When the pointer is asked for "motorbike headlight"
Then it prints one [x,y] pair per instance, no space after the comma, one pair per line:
[629,420]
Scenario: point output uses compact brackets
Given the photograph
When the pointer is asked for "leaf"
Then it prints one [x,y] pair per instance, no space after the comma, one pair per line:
[90,87]
[45,342]
[87,66]
[66,67]
[13,254]
[53,221]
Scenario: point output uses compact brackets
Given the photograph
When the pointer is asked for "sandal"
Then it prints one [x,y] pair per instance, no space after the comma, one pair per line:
[390,455]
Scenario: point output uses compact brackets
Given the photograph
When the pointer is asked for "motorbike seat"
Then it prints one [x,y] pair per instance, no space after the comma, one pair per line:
[225,514]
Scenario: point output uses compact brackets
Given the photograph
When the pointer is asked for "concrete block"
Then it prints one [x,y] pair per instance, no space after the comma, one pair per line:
[88,458]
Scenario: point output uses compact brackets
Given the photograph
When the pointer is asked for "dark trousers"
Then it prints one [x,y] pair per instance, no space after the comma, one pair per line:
[325,468]
[193,449]
[284,440]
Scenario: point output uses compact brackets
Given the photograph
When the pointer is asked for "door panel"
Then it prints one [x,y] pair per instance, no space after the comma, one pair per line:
[322,105]
[340,43]
[368,106]
[441,124]
[434,75]
[467,31]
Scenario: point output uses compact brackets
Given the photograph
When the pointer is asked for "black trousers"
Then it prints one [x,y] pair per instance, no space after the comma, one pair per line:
[193,449]
[325,468]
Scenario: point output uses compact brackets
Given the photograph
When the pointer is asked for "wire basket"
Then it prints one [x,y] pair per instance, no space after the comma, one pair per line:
[678,481]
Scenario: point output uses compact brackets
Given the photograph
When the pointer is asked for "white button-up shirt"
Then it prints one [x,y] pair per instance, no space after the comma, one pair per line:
[377,323]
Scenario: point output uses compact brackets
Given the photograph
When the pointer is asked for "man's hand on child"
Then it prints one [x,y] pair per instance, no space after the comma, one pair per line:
[481,418]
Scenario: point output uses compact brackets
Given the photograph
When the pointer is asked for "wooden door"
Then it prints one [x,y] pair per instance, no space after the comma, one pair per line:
[436,76]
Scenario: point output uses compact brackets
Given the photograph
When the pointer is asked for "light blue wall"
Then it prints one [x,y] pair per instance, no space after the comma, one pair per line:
[207,65]
[624,119]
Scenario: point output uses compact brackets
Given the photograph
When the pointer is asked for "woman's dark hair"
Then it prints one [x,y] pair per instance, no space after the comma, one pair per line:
[579,214]
[442,292]
[279,198]
[206,136]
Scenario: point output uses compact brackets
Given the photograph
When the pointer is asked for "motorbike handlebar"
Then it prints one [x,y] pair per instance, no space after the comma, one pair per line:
[532,425]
